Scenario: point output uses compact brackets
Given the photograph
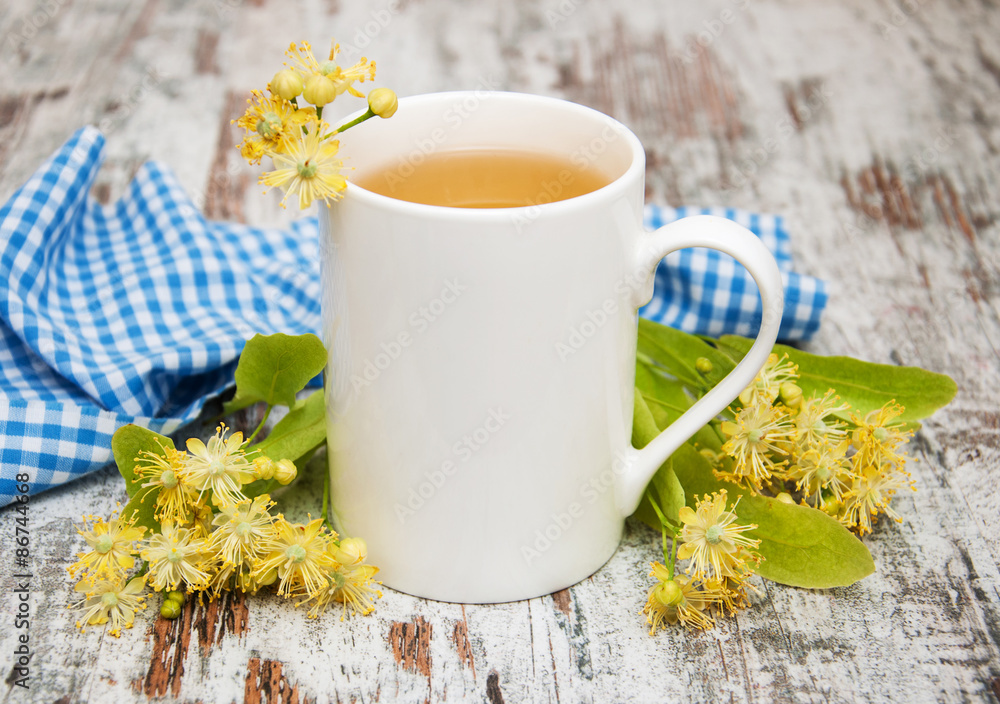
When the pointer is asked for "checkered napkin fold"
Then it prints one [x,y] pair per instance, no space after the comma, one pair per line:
[136,312]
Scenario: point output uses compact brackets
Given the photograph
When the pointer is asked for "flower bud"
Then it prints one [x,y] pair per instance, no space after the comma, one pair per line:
[714,458]
[383,102]
[785,498]
[350,552]
[269,577]
[790,394]
[669,593]
[244,581]
[286,84]
[319,90]
[264,468]
[170,609]
[703,365]
[285,472]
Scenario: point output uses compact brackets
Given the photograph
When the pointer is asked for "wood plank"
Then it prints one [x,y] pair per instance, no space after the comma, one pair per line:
[871,126]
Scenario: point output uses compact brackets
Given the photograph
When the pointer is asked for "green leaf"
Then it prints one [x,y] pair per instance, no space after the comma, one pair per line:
[273,368]
[678,351]
[142,507]
[669,493]
[801,546]
[654,352]
[128,442]
[804,547]
[667,399]
[644,427]
[864,385]
[735,353]
[299,432]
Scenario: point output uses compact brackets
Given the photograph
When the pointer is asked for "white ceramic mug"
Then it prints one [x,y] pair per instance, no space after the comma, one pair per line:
[482,361]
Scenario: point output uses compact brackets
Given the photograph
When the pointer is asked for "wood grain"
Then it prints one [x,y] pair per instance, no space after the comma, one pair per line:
[411,645]
[872,126]
[266,684]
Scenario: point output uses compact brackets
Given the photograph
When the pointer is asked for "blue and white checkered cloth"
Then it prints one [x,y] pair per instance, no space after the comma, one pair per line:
[706,292]
[137,312]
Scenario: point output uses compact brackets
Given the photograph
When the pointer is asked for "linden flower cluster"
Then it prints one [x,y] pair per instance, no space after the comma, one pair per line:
[294,135]
[844,463]
[721,560]
[213,537]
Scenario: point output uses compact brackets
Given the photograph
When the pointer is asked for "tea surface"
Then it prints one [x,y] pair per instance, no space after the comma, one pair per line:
[483,178]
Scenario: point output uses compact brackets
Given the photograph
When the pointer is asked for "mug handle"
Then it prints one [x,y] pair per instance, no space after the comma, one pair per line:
[737,241]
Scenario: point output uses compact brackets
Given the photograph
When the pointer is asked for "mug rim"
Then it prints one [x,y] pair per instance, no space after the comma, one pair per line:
[609,191]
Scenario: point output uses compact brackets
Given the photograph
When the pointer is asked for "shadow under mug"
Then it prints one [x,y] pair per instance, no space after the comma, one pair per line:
[480,382]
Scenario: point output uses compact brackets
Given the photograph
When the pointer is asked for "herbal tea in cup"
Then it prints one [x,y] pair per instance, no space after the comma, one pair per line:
[484,178]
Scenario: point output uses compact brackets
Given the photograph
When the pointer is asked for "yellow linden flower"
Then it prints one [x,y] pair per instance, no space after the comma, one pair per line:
[220,467]
[299,556]
[199,520]
[678,599]
[176,497]
[175,556]
[759,432]
[110,600]
[871,495]
[242,532]
[350,580]
[712,540]
[730,600]
[111,546]
[303,56]
[732,592]
[876,439]
[816,422]
[342,79]
[271,124]
[768,383]
[350,586]
[822,468]
[309,168]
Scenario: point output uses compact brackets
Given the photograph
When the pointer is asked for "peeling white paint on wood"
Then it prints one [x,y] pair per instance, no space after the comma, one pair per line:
[873,127]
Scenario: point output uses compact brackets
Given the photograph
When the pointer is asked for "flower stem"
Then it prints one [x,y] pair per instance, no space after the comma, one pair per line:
[656,508]
[261,425]
[357,121]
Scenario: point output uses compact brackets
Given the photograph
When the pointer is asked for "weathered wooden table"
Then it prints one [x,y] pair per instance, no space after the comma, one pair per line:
[872,126]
